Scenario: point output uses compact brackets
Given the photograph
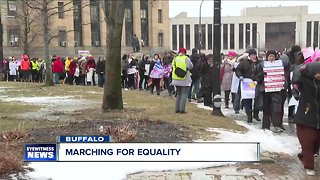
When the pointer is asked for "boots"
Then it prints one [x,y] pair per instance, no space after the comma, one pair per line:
[256,115]
[249,116]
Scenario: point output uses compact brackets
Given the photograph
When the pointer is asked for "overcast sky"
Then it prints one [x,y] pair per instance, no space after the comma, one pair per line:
[233,8]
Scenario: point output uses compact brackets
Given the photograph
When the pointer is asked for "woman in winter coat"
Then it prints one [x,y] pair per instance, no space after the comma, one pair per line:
[306,80]
[91,66]
[156,73]
[12,69]
[272,103]
[206,73]
[226,76]
[131,71]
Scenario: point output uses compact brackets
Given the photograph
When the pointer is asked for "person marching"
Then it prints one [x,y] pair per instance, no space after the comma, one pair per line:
[306,80]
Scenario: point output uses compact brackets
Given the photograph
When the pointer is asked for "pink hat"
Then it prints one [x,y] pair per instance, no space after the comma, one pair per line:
[232,53]
[315,56]
[307,52]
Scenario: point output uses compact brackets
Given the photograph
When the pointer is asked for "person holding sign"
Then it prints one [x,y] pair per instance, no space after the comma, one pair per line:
[245,71]
[272,82]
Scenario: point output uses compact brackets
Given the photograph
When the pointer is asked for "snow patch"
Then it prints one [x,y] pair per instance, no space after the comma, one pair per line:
[41,100]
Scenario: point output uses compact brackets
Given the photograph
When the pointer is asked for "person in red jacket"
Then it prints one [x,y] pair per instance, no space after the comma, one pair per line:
[72,70]
[91,66]
[57,69]
[25,68]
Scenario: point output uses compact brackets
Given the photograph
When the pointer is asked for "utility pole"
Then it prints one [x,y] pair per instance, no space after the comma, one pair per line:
[1,48]
[216,88]
[200,28]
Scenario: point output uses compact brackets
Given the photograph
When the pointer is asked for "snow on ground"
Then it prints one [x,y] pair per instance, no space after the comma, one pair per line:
[41,100]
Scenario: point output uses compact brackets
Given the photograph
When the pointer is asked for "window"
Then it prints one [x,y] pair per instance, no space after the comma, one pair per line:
[181,44]
[174,37]
[225,36]
[309,34]
[196,36]
[128,23]
[240,36]
[315,33]
[248,31]
[62,38]
[231,36]
[60,10]
[144,22]
[210,36]
[160,39]
[254,36]
[95,23]
[159,15]
[188,36]
[12,8]
[77,22]
[13,36]
[203,36]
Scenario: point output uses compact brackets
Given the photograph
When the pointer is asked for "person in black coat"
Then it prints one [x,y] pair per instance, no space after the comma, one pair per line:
[306,80]
[246,69]
[272,102]
[142,72]
[100,70]
[206,73]
[195,74]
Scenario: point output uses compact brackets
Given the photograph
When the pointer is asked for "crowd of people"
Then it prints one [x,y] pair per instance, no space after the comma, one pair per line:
[276,77]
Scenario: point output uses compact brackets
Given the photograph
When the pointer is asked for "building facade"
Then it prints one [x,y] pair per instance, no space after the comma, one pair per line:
[262,28]
[79,25]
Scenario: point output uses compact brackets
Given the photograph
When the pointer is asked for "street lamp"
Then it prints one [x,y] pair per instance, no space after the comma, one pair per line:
[200,28]
[258,46]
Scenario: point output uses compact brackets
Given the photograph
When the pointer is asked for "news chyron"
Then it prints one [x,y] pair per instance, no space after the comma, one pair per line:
[50,152]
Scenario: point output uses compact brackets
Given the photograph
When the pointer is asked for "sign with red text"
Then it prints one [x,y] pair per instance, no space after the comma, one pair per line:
[274,78]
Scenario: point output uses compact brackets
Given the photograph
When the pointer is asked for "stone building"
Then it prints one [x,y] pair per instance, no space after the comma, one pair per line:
[261,27]
[79,25]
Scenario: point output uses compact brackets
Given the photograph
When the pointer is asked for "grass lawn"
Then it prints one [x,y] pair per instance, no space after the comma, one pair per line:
[137,105]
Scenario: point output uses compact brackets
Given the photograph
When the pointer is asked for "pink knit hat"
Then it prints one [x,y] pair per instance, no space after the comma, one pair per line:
[232,53]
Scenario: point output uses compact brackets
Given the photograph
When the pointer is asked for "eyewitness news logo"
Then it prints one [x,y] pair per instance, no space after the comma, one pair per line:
[40,152]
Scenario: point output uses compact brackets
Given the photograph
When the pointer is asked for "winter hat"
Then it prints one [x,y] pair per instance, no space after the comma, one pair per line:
[182,50]
[316,56]
[252,51]
[307,52]
[232,53]
[271,52]
[209,56]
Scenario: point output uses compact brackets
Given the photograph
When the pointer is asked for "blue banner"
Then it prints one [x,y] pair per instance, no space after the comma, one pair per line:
[40,152]
[84,139]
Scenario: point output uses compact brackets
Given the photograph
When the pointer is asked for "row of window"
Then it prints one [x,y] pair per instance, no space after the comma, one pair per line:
[95,23]
[203,36]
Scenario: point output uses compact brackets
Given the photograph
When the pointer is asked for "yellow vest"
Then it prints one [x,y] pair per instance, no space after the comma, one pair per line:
[35,65]
[181,62]
[67,64]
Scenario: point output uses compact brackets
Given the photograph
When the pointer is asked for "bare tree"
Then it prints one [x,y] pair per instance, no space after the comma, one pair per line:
[114,14]
[47,9]
[30,25]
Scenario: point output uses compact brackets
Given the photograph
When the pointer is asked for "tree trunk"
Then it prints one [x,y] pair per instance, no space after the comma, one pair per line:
[25,32]
[114,13]
[48,75]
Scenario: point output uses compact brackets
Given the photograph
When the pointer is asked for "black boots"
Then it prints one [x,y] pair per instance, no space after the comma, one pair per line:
[256,115]
[249,116]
